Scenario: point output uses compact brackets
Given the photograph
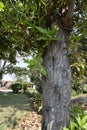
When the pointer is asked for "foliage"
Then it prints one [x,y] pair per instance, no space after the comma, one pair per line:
[7,67]
[25,87]
[37,102]
[35,66]
[78,47]
[17,87]
[1,6]
[21,74]
[36,70]
[24,26]
[78,119]
[36,99]
[38,83]
[18,71]
[4,67]
[24,30]
[78,61]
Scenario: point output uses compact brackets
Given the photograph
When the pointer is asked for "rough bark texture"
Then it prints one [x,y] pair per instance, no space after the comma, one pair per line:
[56,86]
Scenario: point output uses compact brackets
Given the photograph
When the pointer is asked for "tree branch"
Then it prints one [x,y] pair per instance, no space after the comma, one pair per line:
[50,11]
[80,99]
[68,20]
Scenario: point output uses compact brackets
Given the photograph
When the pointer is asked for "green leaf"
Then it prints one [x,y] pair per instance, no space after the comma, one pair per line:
[72,125]
[40,108]
[44,31]
[43,71]
[78,69]
[83,66]
[1,6]
[65,128]
[79,120]
[42,38]
[85,126]
[84,120]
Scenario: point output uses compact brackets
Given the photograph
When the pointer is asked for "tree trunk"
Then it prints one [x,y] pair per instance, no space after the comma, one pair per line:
[57,85]
[1,74]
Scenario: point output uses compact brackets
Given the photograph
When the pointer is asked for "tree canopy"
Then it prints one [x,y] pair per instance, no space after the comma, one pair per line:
[28,27]
[26,24]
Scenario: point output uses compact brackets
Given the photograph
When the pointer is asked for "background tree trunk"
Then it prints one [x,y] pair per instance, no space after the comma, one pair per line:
[56,86]
[1,74]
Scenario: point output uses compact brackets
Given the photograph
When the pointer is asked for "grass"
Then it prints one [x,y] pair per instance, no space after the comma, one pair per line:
[12,107]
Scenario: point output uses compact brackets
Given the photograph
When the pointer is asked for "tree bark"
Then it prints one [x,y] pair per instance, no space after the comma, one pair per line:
[56,85]
[1,74]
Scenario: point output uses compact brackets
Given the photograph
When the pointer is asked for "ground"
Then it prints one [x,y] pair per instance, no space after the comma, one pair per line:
[16,112]
[31,121]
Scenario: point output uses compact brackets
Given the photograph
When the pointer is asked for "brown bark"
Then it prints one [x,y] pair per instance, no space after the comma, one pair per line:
[68,19]
[56,86]
[50,11]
